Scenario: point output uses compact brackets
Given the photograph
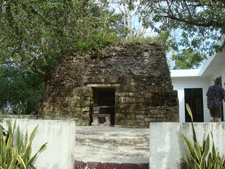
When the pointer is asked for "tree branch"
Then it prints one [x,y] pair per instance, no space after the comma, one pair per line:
[195,22]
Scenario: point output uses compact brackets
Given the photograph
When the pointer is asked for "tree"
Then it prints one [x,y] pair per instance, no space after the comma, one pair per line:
[140,15]
[44,29]
[200,24]
[19,88]
[132,16]
[187,60]
[36,33]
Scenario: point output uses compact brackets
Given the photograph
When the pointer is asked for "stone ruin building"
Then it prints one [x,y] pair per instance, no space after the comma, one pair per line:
[125,85]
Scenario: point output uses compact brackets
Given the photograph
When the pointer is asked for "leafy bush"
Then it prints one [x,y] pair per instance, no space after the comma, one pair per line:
[20,89]
[200,157]
[15,151]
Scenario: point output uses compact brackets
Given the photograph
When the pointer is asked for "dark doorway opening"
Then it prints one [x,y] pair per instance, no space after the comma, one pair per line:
[104,99]
[193,97]
[222,118]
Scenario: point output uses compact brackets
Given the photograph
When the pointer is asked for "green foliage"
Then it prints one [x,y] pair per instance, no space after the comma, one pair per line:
[131,14]
[196,28]
[199,24]
[20,88]
[43,30]
[15,151]
[162,39]
[187,59]
[35,34]
[200,157]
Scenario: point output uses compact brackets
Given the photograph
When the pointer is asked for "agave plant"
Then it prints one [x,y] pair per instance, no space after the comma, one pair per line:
[200,157]
[15,151]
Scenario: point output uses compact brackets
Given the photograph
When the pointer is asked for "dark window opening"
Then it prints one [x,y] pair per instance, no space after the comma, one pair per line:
[193,97]
[222,118]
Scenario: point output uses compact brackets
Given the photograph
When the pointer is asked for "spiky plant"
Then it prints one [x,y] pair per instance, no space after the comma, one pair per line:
[200,157]
[15,151]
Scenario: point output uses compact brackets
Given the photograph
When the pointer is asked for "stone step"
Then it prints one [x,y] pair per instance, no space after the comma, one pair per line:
[110,131]
[112,144]
[125,140]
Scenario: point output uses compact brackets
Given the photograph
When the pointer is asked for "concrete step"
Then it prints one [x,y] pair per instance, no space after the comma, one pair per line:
[124,140]
[112,144]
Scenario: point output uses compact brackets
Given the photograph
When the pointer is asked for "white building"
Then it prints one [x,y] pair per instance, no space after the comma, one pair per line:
[192,86]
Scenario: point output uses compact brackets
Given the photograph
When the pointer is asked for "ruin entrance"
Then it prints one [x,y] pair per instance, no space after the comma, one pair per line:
[125,80]
[104,105]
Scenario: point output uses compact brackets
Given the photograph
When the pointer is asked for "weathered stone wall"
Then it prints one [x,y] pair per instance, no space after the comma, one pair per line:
[138,73]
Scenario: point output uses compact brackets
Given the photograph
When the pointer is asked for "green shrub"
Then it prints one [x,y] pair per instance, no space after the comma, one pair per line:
[15,151]
[200,157]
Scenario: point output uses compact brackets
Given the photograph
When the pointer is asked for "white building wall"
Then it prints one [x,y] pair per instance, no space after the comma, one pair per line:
[181,83]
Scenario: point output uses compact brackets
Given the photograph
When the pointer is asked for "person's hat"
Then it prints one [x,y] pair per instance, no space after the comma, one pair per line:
[218,80]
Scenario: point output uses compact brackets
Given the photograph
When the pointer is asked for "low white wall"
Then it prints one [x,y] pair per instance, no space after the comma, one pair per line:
[167,147]
[60,136]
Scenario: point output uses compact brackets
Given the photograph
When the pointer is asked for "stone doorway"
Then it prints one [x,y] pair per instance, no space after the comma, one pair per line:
[104,103]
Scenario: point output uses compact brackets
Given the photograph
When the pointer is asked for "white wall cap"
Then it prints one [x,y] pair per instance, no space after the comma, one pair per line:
[212,63]
[185,73]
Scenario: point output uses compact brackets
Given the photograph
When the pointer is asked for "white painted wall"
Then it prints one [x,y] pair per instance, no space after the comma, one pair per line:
[166,145]
[60,136]
[180,83]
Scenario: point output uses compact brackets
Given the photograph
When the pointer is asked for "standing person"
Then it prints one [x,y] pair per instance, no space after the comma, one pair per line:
[215,97]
